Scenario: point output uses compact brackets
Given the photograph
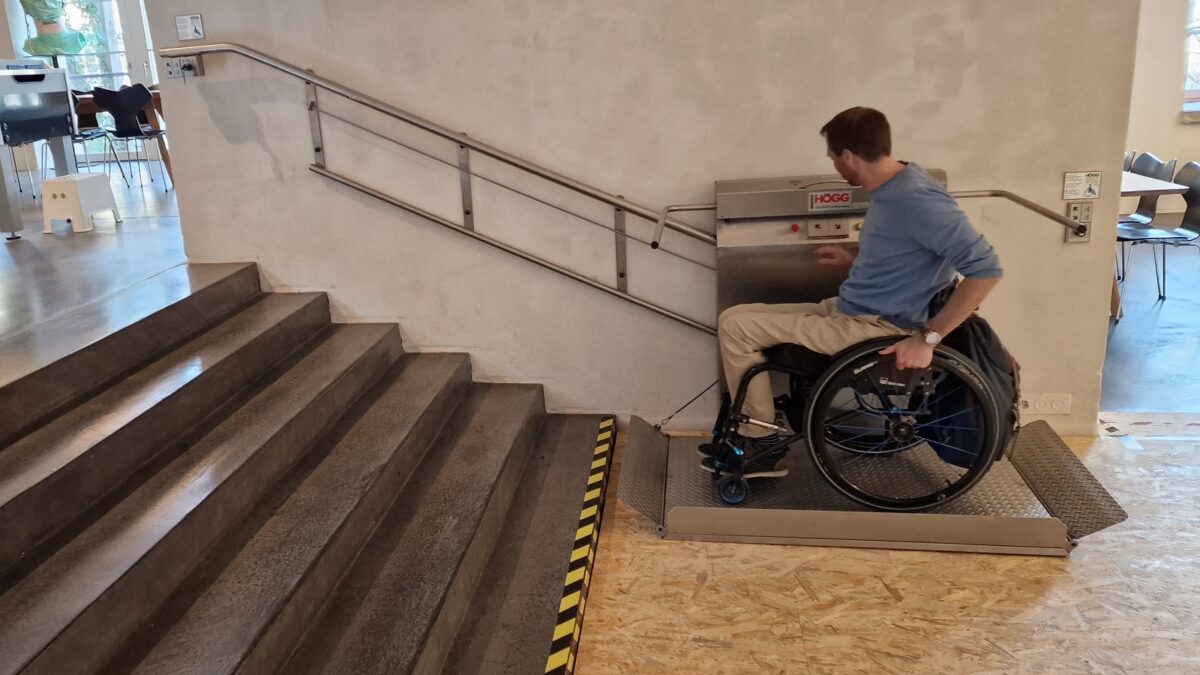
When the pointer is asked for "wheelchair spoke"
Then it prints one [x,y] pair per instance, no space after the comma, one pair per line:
[945,426]
[867,409]
[852,438]
[948,446]
[847,426]
[876,450]
[839,418]
[946,417]
[944,395]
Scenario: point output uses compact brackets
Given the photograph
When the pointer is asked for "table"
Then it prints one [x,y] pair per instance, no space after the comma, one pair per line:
[87,105]
[1137,185]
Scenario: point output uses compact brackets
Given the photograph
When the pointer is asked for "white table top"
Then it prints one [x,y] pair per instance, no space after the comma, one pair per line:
[1135,185]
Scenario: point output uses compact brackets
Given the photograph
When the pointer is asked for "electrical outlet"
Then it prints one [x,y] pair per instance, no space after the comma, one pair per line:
[1047,404]
[1080,212]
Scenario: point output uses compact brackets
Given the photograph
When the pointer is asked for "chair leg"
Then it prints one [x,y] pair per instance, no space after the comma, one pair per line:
[146,153]
[162,170]
[13,153]
[137,158]
[1164,275]
[86,160]
[117,159]
[1157,278]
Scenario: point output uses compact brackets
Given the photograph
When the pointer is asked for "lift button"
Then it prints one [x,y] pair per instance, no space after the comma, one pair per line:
[795,227]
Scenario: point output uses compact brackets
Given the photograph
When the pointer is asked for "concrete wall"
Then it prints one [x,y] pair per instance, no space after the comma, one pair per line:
[1158,77]
[653,100]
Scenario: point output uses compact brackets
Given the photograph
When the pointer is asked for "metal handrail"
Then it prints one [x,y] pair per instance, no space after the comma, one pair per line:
[351,183]
[439,130]
[1076,228]
[656,240]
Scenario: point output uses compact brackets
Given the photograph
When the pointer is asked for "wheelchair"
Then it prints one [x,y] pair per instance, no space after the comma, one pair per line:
[890,439]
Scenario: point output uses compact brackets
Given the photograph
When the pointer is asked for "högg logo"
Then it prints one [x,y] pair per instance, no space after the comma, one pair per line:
[827,200]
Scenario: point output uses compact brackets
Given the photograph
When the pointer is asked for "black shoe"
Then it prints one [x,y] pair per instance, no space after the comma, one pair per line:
[773,465]
[711,449]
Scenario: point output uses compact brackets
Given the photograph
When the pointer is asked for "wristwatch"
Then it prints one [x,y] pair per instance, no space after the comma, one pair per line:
[932,338]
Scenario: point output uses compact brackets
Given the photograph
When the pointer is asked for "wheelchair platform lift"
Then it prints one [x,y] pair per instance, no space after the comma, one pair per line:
[1036,499]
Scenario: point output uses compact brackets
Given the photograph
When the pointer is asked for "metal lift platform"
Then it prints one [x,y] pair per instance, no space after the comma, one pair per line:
[1037,500]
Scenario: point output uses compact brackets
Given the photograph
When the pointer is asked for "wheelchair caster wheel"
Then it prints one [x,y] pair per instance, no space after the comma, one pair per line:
[732,490]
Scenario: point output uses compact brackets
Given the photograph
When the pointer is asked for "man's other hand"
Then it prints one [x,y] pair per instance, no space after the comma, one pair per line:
[911,353]
[835,256]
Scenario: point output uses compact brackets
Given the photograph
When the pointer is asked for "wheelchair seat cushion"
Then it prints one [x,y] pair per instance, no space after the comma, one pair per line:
[799,358]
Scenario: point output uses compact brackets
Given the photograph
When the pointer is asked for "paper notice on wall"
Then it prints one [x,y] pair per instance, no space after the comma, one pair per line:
[189,27]
[1081,185]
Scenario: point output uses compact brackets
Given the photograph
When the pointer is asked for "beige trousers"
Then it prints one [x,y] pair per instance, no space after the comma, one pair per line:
[743,331]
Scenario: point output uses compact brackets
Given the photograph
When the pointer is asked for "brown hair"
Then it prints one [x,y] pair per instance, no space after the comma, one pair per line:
[863,131]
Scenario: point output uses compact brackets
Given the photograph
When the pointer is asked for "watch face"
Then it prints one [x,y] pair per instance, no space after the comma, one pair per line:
[932,338]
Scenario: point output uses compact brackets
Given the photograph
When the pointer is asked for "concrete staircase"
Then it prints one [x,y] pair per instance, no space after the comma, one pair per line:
[196,477]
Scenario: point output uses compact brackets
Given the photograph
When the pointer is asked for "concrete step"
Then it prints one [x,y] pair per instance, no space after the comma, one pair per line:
[74,610]
[400,606]
[53,364]
[515,609]
[50,476]
[251,617]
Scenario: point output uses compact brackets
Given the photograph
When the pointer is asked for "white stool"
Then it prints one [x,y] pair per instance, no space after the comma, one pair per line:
[77,197]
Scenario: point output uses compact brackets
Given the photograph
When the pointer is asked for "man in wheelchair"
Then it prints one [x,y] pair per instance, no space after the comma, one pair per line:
[915,242]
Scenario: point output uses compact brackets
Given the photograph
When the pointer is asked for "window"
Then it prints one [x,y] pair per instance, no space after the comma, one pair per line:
[1191,87]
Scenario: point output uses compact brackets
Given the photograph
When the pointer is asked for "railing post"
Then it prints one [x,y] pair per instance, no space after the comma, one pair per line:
[314,123]
[464,181]
[622,262]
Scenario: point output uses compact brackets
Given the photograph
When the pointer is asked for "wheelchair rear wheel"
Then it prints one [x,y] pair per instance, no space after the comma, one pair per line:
[895,441]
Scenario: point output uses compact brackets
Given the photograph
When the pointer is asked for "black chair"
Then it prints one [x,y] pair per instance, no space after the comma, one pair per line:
[88,128]
[1147,164]
[126,105]
[1129,159]
[1188,231]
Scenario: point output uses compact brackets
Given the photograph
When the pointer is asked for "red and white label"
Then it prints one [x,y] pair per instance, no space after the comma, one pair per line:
[829,200]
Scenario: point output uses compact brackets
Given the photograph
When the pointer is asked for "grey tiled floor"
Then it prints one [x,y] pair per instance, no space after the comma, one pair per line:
[1153,360]
[45,275]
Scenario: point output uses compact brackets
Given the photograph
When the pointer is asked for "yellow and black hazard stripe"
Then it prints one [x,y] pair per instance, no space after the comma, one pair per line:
[565,642]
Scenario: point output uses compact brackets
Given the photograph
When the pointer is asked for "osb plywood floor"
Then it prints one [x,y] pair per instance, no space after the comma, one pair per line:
[1126,601]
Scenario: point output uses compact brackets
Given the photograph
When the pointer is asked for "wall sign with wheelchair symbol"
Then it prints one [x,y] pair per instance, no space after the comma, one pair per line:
[1081,184]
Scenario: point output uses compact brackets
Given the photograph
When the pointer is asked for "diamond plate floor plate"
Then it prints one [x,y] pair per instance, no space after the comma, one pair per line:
[1000,514]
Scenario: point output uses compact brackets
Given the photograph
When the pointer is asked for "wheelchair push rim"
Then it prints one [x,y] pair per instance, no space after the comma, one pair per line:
[902,450]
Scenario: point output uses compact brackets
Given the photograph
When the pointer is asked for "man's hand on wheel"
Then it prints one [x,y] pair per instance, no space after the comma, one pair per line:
[911,353]
[835,256]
